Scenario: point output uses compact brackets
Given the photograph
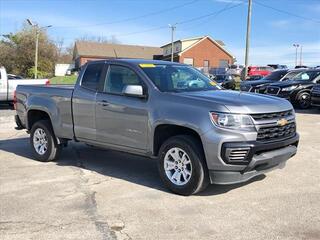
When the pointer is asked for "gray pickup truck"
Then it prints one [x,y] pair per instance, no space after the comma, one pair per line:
[198,132]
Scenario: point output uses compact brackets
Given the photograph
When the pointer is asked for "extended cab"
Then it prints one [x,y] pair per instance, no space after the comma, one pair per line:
[198,132]
[8,84]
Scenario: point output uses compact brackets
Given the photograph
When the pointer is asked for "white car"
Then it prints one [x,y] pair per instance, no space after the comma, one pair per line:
[9,85]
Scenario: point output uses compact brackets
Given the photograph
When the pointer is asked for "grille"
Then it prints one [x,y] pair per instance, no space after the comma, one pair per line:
[276,133]
[273,90]
[237,154]
[276,115]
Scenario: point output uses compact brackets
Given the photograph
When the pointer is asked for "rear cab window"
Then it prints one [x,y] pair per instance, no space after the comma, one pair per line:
[92,75]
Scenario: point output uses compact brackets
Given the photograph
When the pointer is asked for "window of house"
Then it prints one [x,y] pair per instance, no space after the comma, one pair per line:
[92,76]
[223,63]
[118,77]
[206,66]
[188,61]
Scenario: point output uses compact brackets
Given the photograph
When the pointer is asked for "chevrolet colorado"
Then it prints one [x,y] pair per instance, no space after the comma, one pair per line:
[199,133]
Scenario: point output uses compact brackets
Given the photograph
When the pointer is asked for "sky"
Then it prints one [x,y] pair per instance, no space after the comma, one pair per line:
[276,24]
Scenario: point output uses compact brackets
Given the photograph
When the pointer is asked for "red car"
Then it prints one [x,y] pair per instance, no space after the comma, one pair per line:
[262,71]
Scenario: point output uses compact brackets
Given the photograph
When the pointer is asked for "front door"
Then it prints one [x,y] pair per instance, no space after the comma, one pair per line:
[84,102]
[121,120]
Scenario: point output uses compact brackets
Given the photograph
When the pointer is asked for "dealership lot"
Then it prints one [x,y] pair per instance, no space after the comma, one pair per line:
[100,194]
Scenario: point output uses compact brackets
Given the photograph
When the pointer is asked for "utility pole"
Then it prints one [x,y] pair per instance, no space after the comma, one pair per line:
[38,30]
[173,28]
[301,55]
[247,39]
[296,46]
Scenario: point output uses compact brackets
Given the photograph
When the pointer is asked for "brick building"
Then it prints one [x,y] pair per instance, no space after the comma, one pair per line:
[87,51]
[201,52]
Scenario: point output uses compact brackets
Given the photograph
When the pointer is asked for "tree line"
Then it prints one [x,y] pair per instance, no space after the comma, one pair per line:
[17,52]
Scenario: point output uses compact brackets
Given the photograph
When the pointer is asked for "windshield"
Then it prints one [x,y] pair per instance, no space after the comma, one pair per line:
[275,76]
[290,75]
[306,76]
[178,78]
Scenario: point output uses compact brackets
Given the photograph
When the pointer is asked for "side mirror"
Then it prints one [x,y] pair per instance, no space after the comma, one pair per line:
[133,91]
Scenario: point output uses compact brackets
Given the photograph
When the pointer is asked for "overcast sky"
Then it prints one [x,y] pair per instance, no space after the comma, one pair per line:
[276,24]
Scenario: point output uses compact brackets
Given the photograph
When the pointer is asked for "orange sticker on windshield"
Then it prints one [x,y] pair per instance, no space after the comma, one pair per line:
[213,83]
[147,65]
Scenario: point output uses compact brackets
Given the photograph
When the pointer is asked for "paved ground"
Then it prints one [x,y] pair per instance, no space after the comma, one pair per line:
[96,194]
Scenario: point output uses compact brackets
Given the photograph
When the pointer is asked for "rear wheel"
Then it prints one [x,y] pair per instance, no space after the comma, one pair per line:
[44,145]
[304,100]
[182,165]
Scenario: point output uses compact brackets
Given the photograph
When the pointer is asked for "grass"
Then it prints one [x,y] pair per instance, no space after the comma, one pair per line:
[64,80]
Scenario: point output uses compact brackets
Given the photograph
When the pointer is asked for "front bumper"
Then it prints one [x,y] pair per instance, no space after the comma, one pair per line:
[264,158]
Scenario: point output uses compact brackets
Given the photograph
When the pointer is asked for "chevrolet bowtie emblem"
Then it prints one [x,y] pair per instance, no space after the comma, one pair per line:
[282,122]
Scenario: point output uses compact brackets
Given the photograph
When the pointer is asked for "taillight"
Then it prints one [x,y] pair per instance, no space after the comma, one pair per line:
[15,100]
[47,82]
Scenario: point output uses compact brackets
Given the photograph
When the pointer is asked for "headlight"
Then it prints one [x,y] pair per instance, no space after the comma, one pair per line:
[232,121]
[287,89]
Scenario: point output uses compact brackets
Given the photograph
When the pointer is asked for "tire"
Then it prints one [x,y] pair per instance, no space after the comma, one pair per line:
[303,100]
[189,151]
[43,143]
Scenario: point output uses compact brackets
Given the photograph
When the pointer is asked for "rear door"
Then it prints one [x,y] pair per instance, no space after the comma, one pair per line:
[84,101]
[121,120]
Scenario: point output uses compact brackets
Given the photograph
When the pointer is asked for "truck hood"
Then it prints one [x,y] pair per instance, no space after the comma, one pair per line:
[241,102]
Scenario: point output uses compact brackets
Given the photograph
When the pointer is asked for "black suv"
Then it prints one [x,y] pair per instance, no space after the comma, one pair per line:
[315,96]
[259,86]
[298,89]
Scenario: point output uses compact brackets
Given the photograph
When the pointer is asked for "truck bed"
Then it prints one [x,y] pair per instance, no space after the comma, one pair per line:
[57,98]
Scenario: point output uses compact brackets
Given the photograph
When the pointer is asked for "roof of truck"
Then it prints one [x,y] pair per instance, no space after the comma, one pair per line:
[136,61]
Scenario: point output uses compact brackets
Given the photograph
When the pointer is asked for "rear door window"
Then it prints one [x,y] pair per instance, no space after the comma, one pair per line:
[91,76]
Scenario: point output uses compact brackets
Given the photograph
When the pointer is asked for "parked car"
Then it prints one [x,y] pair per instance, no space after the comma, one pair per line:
[297,90]
[225,81]
[315,96]
[235,70]
[278,66]
[8,84]
[259,86]
[257,71]
[197,133]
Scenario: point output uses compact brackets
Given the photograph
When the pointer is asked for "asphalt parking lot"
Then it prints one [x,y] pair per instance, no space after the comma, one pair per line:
[100,194]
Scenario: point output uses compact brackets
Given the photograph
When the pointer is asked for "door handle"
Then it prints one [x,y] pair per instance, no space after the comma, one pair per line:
[104,103]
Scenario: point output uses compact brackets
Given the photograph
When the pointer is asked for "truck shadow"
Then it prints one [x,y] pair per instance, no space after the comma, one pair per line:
[308,111]
[131,168]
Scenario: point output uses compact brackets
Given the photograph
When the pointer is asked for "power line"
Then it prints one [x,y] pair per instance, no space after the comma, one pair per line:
[134,18]
[228,6]
[288,13]
[178,23]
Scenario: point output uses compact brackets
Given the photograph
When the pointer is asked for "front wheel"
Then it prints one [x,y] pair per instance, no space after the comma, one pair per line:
[182,165]
[304,100]
[45,147]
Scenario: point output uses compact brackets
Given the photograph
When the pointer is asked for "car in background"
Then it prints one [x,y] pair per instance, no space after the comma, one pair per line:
[234,70]
[257,71]
[298,89]
[259,86]
[315,96]
[8,85]
[224,80]
[278,66]
[12,76]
